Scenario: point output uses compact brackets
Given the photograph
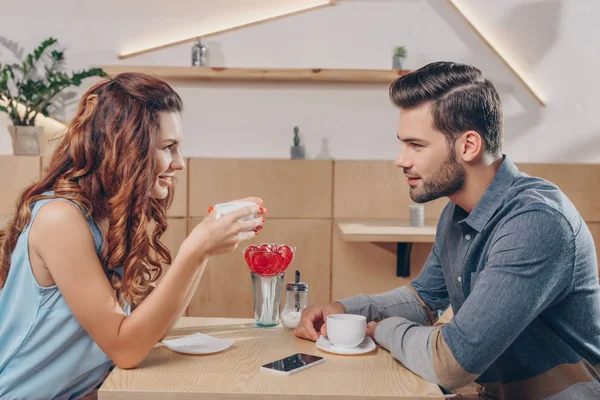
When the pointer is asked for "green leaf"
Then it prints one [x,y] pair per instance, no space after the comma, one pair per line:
[37,93]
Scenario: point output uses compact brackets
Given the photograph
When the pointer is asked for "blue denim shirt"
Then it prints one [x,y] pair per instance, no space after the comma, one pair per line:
[521,275]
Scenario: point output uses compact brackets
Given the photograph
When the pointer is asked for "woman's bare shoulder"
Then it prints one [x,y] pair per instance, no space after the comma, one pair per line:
[59,219]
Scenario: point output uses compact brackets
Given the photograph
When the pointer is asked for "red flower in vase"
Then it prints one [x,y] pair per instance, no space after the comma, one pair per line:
[269,259]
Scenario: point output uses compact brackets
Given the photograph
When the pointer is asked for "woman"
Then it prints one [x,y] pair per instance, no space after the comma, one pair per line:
[84,246]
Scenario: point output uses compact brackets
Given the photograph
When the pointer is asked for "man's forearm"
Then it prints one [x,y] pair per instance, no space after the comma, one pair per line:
[423,350]
[400,302]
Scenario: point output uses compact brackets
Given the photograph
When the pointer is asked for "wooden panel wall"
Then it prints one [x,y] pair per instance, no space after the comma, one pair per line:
[304,199]
[290,189]
[298,197]
[17,174]
[369,268]
[374,190]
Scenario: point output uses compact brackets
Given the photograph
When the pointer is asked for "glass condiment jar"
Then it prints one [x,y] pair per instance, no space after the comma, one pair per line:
[296,300]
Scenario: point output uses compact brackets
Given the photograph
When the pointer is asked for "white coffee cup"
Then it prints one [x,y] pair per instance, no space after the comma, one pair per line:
[346,331]
[224,208]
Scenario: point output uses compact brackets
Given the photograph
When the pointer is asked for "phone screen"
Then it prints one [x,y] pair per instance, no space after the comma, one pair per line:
[293,362]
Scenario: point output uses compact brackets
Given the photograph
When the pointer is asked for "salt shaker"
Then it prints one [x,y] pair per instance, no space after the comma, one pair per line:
[296,300]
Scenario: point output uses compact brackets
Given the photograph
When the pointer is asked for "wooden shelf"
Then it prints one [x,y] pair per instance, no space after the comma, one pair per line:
[396,231]
[261,74]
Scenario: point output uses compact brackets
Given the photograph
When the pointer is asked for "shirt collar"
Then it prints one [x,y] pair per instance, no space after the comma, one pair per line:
[492,197]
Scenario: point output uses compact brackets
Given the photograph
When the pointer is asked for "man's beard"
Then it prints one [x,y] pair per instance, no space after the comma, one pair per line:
[447,180]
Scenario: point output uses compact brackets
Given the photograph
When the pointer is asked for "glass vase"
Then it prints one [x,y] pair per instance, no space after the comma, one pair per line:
[266,291]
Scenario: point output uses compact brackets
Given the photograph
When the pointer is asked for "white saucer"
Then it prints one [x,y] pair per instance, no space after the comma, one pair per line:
[366,346]
[197,343]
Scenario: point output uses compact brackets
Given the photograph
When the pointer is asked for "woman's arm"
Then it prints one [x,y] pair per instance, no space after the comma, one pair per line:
[200,272]
[188,298]
[61,237]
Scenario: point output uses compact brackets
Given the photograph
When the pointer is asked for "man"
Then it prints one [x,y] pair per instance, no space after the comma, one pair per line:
[512,257]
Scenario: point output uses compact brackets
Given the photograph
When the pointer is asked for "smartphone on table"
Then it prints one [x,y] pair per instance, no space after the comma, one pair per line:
[292,364]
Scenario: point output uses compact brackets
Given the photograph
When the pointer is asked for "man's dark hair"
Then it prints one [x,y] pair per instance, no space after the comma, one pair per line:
[461,100]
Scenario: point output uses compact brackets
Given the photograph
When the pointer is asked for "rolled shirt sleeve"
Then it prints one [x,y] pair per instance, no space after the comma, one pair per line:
[402,301]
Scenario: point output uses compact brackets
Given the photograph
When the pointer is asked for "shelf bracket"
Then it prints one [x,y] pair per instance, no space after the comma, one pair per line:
[403,259]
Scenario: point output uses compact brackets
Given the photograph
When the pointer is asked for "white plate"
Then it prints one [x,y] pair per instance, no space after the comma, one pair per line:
[366,346]
[198,343]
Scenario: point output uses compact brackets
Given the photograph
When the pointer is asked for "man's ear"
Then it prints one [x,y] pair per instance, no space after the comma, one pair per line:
[469,146]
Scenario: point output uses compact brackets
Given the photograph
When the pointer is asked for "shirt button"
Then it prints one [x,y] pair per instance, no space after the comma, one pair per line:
[459,279]
[468,237]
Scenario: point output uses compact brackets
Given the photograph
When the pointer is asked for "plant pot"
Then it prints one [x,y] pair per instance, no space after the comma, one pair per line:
[26,140]
[397,62]
[297,152]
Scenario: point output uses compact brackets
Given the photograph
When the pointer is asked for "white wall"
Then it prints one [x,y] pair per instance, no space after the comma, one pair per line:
[553,41]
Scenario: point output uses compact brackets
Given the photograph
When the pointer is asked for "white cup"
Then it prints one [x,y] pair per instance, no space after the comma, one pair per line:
[224,208]
[346,331]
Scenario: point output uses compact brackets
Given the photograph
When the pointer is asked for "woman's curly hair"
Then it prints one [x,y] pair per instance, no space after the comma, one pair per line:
[105,163]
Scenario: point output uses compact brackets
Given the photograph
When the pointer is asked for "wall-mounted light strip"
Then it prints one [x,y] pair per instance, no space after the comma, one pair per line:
[280,8]
[506,59]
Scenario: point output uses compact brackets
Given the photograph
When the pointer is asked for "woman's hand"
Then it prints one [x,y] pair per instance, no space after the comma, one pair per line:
[218,236]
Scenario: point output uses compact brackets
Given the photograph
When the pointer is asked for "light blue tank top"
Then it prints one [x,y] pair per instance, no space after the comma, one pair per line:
[44,351]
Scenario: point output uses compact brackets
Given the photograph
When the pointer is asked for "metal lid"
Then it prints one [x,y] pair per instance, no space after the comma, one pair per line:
[296,287]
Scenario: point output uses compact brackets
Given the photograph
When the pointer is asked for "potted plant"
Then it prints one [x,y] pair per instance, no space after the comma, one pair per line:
[28,88]
[296,150]
[399,55]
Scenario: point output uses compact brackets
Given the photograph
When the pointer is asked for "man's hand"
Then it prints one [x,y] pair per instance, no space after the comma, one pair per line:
[371,329]
[313,319]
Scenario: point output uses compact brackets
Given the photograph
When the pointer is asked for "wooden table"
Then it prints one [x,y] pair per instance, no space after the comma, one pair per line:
[234,373]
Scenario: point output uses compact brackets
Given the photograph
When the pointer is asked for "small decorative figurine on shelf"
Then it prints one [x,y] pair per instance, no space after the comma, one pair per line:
[297,151]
